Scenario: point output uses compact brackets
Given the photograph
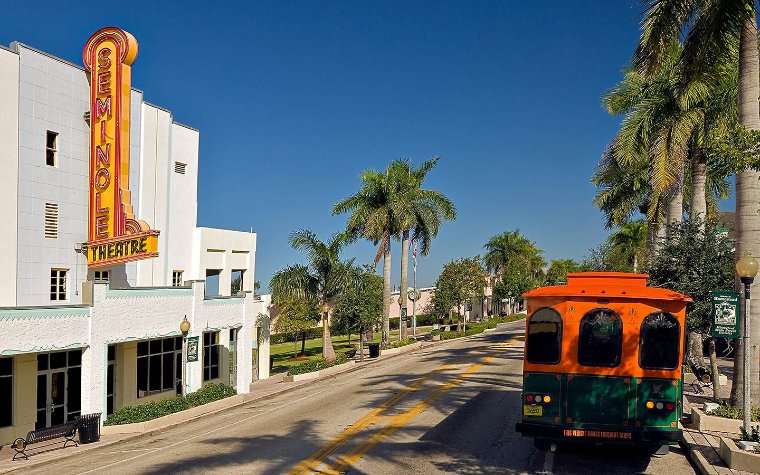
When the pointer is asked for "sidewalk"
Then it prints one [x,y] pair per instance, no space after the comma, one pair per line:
[704,447]
[46,452]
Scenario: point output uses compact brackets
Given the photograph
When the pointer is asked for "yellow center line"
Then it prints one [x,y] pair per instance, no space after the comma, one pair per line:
[317,458]
[343,463]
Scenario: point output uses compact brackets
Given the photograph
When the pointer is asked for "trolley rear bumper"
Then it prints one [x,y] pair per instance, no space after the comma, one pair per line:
[542,431]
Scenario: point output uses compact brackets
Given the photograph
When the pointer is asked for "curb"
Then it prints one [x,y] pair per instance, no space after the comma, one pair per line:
[129,436]
[695,455]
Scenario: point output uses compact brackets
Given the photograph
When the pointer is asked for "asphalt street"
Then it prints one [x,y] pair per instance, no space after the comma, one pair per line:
[449,408]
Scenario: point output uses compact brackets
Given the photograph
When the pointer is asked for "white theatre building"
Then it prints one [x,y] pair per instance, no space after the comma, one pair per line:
[85,333]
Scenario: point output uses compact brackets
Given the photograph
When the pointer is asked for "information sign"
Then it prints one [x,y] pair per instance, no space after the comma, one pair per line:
[192,349]
[725,314]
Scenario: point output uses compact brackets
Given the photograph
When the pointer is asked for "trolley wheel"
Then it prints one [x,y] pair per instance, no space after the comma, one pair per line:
[542,444]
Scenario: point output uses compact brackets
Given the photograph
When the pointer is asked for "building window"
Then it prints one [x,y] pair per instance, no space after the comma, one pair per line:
[236,282]
[210,355]
[6,392]
[659,341]
[157,365]
[58,284]
[110,379]
[600,341]
[51,149]
[180,167]
[51,220]
[177,278]
[544,344]
[102,276]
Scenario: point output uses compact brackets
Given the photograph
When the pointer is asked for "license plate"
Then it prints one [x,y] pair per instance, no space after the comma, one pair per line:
[533,410]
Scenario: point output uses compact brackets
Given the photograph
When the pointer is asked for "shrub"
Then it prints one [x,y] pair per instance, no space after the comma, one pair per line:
[311,334]
[210,393]
[164,407]
[316,365]
[400,343]
[732,412]
[753,435]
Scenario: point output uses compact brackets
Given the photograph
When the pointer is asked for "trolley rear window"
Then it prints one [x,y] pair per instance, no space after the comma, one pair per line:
[544,342]
[659,341]
[600,341]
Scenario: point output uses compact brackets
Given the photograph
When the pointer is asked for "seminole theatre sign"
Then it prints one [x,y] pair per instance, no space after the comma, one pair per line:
[115,235]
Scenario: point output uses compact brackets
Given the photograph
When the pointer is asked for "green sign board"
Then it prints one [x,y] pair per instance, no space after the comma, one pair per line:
[192,349]
[725,314]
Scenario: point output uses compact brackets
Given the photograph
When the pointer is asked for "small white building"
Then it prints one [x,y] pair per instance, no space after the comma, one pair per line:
[82,333]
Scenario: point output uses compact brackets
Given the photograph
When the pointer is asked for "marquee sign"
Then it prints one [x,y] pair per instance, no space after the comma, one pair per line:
[115,235]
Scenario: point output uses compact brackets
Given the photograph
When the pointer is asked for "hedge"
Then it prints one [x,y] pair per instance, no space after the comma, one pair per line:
[164,407]
[316,365]
[400,343]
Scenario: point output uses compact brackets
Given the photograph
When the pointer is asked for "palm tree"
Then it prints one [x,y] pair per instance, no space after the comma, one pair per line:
[418,212]
[631,238]
[323,279]
[710,27]
[510,247]
[373,218]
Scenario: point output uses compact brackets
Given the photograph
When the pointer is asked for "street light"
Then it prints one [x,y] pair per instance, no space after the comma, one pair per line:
[184,327]
[746,267]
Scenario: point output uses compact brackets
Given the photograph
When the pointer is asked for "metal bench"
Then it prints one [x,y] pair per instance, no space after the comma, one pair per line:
[67,430]
[702,378]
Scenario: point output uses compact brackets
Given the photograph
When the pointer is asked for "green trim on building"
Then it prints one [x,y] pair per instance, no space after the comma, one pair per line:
[44,312]
[158,292]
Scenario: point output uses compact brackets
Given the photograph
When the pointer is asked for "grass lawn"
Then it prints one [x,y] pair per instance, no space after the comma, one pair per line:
[282,353]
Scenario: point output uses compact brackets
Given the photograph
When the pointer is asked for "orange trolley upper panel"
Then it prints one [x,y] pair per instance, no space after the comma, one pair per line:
[624,293]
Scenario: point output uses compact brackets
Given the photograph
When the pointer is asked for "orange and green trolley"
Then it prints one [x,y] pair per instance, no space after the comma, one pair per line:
[603,360]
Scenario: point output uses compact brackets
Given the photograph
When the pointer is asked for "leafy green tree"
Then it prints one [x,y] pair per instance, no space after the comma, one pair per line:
[696,262]
[419,213]
[710,27]
[324,279]
[296,314]
[460,281]
[360,307]
[606,257]
[558,270]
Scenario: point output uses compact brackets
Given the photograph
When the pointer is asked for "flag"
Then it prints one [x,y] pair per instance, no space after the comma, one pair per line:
[414,255]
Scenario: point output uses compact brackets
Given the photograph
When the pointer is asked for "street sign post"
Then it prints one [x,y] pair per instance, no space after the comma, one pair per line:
[725,314]
[192,349]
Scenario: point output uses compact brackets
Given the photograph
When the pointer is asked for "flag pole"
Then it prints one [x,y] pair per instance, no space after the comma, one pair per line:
[414,302]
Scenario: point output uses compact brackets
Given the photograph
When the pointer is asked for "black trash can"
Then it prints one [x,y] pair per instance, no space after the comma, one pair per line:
[89,428]
[374,350]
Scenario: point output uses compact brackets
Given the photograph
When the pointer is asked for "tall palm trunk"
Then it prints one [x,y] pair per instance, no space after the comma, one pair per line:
[747,203]
[675,207]
[698,204]
[404,280]
[328,352]
[386,293]
[698,210]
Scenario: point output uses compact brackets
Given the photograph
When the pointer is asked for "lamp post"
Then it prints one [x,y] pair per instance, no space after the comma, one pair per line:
[746,267]
[184,327]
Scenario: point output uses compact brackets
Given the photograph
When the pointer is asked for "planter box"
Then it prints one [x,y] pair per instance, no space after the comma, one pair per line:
[300,377]
[738,459]
[436,338]
[174,419]
[705,422]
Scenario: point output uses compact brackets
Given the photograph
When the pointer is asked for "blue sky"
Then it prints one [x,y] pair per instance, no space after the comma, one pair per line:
[295,98]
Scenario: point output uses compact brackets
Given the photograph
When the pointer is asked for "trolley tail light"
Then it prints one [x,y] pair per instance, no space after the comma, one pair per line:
[669,406]
[529,398]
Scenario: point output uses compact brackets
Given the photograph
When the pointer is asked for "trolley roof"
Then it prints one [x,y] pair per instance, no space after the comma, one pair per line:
[619,285]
